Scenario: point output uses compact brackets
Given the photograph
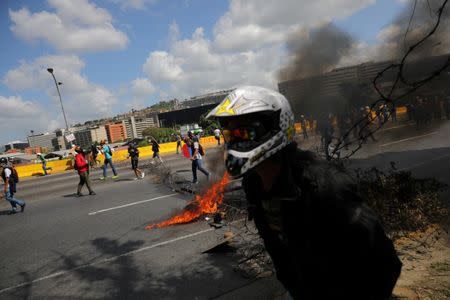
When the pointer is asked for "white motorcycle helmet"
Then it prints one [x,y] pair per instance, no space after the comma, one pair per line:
[256,123]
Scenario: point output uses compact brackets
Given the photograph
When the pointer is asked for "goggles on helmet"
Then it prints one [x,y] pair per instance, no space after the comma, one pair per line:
[244,133]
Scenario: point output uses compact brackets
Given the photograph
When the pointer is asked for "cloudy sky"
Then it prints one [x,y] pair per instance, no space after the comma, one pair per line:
[114,55]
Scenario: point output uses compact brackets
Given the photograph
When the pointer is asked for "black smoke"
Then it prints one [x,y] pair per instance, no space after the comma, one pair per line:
[316,53]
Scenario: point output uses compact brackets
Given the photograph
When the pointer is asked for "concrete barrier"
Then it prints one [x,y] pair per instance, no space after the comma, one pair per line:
[118,156]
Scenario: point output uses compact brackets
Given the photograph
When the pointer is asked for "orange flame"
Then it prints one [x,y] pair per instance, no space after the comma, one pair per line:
[204,204]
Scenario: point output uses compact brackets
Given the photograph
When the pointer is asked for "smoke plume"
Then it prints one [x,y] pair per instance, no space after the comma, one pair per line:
[315,54]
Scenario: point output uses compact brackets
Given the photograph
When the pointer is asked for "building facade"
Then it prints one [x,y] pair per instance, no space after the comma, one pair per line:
[134,126]
[353,86]
[83,138]
[116,132]
[18,145]
[47,140]
[98,134]
[206,99]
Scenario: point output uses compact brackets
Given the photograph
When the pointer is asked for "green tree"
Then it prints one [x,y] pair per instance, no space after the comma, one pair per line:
[208,125]
[160,134]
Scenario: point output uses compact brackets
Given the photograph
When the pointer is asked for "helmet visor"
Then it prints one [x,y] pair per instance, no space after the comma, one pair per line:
[245,133]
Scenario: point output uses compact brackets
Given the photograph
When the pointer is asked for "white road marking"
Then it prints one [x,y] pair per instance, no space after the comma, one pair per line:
[408,139]
[130,204]
[395,127]
[106,260]
[53,275]
[424,162]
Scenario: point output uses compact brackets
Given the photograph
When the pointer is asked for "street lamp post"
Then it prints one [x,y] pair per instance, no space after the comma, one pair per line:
[67,136]
[57,83]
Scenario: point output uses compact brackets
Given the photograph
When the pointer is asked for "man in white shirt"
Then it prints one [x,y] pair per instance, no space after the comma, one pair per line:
[7,176]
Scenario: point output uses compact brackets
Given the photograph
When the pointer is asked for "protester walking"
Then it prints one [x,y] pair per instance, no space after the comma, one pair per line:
[133,153]
[106,150]
[44,163]
[303,126]
[197,157]
[217,135]
[94,154]
[155,150]
[178,137]
[10,178]
[82,166]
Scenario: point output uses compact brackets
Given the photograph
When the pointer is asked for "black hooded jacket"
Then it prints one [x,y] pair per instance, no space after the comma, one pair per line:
[324,241]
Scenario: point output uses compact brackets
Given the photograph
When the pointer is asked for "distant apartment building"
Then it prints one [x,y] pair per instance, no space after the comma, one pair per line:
[34,150]
[134,126]
[85,138]
[17,145]
[44,140]
[116,132]
[98,134]
[303,93]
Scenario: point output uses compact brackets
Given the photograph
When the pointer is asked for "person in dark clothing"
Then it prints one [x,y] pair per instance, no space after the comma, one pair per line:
[155,150]
[133,153]
[82,166]
[94,154]
[324,241]
[303,126]
[10,177]
[178,138]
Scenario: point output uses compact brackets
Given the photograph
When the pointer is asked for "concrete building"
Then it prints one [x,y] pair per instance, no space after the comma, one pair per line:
[116,132]
[18,145]
[83,138]
[319,92]
[135,125]
[98,134]
[183,116]
[47,140]
[206,99]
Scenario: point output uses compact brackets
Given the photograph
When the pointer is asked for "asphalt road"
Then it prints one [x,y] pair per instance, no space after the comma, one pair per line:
[96,246]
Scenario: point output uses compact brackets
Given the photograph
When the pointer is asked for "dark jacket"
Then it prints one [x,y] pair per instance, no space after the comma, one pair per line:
[325,242]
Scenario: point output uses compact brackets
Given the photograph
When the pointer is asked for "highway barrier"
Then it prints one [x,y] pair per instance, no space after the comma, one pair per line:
[118,156]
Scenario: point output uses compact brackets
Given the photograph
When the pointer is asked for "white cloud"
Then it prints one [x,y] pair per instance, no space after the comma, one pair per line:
[248,24]
[161,66]
[134,4]
[75,26]
[140,89]
[82,99]
[247,46]
[18,115]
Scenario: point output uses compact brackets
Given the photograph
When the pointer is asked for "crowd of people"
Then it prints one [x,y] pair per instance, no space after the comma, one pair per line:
[84,160]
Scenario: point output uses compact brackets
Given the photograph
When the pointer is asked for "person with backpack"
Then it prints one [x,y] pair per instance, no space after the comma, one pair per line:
[133,153]
[82,166]
[155,150]
[10,178]
[106,150]
[197,157]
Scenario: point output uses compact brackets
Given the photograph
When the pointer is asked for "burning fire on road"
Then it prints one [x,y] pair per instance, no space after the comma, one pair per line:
[207,203]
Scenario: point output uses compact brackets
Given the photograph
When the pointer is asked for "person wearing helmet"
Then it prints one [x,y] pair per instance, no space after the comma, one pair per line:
[324,241]
[8,190]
